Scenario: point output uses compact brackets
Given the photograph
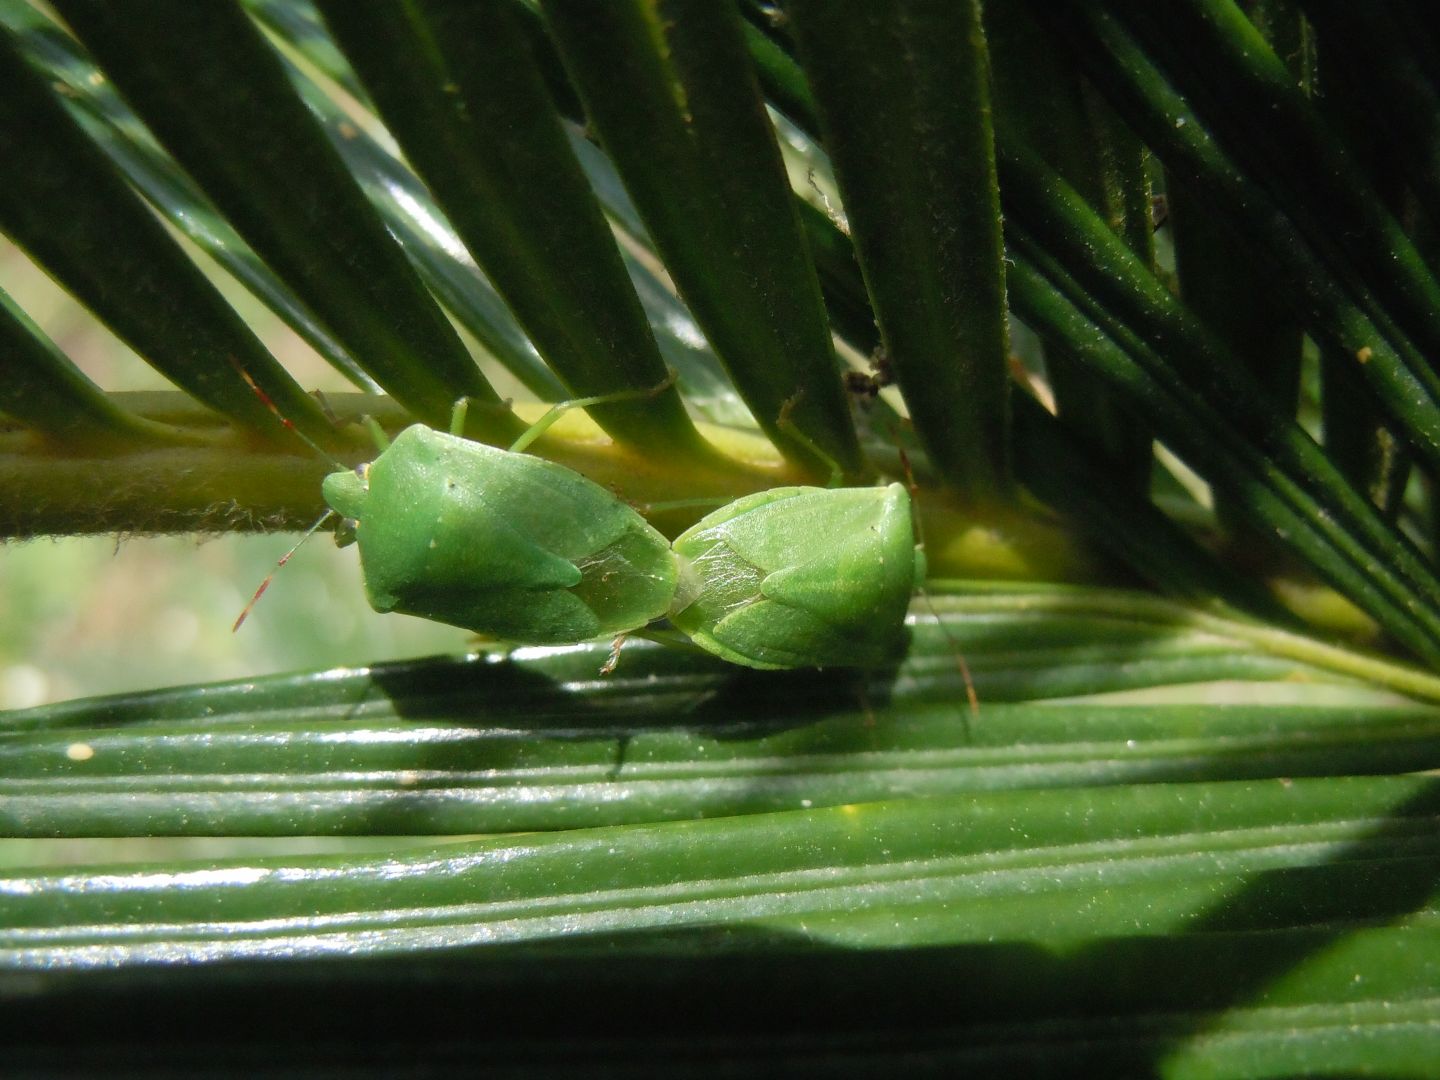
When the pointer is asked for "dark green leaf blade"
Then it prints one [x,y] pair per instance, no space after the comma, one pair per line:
[1286,148]
[43,389]
[1049,459]
[1338,306]
[479,744]
[1181,356]
[1062,470]
[1369,54]
[1047,300]
[671,93]
[92,100]
[458,86]
[1140,310]
[240,131]
[330,774]
[63,202]
[1041,97]
[1177,1006]
[449,271]
[432,247]
[1059,869]
[903,96]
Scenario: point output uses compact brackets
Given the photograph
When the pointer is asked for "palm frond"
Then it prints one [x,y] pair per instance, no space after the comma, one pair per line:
[1179,835]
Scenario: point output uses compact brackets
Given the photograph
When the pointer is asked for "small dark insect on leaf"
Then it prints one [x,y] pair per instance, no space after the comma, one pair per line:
[1159,210]
[866,386]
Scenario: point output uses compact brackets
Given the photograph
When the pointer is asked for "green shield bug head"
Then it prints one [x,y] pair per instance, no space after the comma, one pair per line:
[801,577]
[502,543]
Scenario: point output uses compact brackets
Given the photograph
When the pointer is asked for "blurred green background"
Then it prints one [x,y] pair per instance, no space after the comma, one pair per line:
[99,615]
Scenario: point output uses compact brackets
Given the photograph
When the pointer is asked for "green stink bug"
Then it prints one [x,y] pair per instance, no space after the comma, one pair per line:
[524,550]
[801,577]
[508,545]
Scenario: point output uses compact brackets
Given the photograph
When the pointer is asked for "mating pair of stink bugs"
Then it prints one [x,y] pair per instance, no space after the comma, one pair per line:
[522,550]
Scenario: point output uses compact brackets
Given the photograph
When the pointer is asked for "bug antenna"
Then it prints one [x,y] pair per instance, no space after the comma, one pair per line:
[285,421]
[283,560]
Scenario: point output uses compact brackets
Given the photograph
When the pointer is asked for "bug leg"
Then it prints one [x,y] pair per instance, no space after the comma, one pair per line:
[382,441]
[560,408]
[614,660]
[463,407]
